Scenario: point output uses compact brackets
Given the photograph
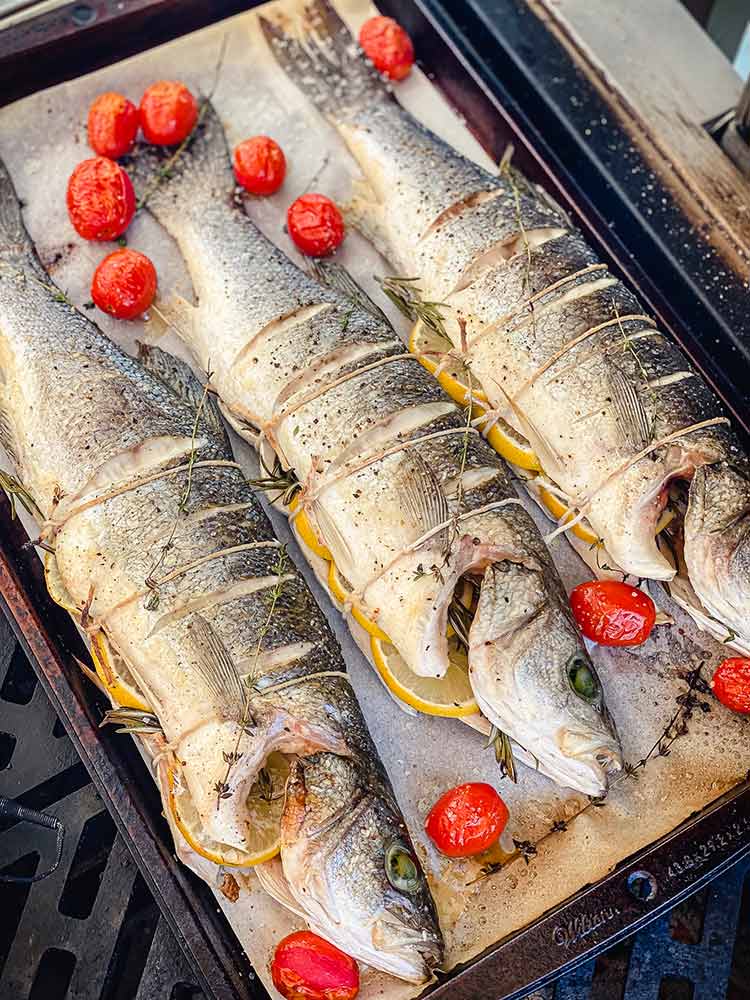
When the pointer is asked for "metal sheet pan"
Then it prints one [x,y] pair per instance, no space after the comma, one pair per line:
[596,917]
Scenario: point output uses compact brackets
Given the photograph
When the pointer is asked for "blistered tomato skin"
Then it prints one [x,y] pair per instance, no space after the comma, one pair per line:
[466,820]
[315,224]
[100,197]
[168,113]
[731,684]
[124,284]
[307,967]
[387,46]
[112,125]
[259,165]
[612,613]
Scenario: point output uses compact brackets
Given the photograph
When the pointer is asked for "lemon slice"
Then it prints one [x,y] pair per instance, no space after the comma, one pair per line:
[507,442]
[449,696]
[340,593]
[304,529]
[55,586]
[557,509]
[114,674]
[265,804]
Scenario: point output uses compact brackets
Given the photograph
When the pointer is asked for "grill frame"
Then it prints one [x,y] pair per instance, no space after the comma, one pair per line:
[51,47]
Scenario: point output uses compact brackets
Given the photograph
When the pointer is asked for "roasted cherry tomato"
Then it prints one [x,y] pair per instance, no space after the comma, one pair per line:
[315,225]
[613,613]
[387,46]
[168,113]
[101,201]
[259,165]
[307,967]
[112,125]
[124,284]
[466,820]
[731,684]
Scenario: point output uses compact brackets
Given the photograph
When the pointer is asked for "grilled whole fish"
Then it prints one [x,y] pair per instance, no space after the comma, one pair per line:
[407,498]
[158,537]
[560,346]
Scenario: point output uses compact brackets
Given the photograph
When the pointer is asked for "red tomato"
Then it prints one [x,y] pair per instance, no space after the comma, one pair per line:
[124,284]
[731,684]
[112,125]
[387,46]
[259,165]
[315,225]
[466,820]
[168,113]
[307,967]
[613,613]
[100,197]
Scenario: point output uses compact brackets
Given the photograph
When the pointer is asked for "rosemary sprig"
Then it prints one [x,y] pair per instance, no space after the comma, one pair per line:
[16,491]
[222,788]
[278,479]
[508,171]
[131,721]
[406,295]
[335,275]
[503,752]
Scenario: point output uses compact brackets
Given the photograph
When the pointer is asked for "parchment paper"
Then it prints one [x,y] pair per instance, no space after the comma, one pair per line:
[41,140]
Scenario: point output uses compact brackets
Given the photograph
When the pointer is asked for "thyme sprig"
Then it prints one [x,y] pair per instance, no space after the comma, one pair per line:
[223,788]
[165,171]
[283,481]
[406,295]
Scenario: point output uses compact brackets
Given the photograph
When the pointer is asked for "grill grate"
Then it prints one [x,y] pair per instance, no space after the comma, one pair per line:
[92,930]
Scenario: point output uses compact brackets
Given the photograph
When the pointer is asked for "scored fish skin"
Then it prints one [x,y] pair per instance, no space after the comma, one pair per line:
[106,448]
[380,450]
[559,345]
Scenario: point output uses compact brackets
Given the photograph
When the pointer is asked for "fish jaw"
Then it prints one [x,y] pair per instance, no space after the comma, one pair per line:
[717,544]
[336,831]
[523,645]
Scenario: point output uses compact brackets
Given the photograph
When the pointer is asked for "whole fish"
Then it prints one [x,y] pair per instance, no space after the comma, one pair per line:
[409,500]
[162,545]
[563,350]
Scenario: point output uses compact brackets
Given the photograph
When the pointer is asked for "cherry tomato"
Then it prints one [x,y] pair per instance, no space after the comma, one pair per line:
[315,225]
[124,284]
[100,197]
[259,165]
[112,125]
[731,684]
[613,613]
[466,820]
[307,967]
[387,46]
[168,113]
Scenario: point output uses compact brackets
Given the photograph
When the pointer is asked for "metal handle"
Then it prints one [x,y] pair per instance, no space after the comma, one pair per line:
[14,810]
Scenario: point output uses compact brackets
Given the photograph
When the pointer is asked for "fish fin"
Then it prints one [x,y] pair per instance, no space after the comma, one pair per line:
[332,536]
[179,377]
[319,55]
[630,413]
[423,496]
[273,881]
[364,213]
[218,669]
[336,276]
[7,435]
[14,240]
[176,313]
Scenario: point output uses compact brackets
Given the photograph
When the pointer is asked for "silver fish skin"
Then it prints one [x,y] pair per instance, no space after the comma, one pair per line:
[405,497]
[226,645]
[562,349]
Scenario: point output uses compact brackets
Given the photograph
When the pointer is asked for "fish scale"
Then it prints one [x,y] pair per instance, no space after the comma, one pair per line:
[494,261]
[145,507]
[327,384]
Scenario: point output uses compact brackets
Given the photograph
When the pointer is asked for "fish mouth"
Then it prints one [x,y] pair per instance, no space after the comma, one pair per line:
[412,956]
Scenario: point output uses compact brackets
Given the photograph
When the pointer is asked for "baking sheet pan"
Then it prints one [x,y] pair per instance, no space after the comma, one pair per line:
[643,686]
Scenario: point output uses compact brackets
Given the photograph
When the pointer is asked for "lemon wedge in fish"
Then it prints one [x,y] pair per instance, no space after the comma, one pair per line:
[340,592]
[303,528]
[110,668]
[450,696]
[430,347]
[265,804]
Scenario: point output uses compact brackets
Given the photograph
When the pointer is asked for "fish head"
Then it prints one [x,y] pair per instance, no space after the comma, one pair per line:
[533,678]
[352,869]
[717,543]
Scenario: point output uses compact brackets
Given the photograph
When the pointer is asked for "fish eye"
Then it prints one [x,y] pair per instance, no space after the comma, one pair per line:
[401,868]
[582,677]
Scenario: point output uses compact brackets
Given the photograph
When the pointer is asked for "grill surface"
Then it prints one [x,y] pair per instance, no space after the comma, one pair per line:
[92,931]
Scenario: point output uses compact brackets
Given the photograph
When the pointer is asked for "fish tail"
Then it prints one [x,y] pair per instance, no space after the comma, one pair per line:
[14,240]
[319,55]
